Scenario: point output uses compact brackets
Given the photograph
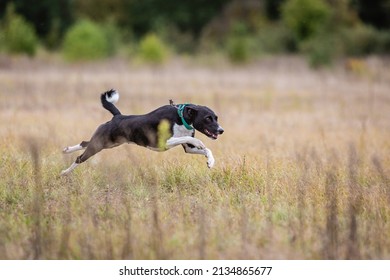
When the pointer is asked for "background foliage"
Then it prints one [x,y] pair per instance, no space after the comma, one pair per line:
[85,40]
[18,35]
[310,27]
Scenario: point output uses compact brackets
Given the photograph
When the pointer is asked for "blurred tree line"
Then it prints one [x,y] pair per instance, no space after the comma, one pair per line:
[322,29]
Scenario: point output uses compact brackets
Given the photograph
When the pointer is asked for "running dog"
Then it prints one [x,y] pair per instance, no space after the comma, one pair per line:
[145,130]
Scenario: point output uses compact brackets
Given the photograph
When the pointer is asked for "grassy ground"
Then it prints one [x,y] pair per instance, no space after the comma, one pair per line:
[302,170]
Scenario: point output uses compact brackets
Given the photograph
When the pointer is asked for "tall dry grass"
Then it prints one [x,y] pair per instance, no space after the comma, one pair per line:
[301,171]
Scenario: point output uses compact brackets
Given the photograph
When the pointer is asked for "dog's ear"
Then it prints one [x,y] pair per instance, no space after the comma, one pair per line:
[190,112]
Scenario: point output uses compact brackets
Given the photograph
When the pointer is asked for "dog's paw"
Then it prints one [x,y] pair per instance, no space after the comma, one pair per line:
[210,162]
[66,150]
[210,158]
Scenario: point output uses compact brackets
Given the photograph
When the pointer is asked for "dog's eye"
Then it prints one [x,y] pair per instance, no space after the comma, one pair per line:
[216,118]
[209,119]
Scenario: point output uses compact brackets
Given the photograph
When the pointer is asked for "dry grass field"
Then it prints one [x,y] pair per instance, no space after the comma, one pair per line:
[302,170]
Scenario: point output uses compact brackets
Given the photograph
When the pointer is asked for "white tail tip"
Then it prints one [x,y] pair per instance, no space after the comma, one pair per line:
[112,96]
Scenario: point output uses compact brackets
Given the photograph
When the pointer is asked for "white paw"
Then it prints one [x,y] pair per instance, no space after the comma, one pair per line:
[210,162]
[210,158]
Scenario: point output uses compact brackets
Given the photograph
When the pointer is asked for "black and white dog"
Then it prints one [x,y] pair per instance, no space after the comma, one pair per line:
[143,130]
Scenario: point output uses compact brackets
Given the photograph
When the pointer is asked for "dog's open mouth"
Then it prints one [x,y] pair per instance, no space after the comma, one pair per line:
[210,134]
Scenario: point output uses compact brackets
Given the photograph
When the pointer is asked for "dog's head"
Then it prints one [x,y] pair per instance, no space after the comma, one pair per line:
[204,120]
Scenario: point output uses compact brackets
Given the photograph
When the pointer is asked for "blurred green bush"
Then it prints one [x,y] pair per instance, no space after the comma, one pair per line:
[238,49]
[238,44]
[364,40]
[113,36]
[325,33]
[305,18]
[18,36]
[152,49]
[355,41]
[85,40]
[275,38]
[322,49]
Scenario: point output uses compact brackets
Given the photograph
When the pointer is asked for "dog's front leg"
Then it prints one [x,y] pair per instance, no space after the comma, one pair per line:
[175,141]
[192,146]
[206,152]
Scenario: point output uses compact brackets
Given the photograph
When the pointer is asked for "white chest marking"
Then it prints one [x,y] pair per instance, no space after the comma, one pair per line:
[181,131]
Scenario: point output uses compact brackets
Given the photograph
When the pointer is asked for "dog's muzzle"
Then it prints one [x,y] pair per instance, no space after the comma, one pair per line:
[212,135]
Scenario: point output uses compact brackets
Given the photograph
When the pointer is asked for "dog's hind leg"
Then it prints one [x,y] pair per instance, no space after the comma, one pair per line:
[90,151]
[67,171]
[70,149]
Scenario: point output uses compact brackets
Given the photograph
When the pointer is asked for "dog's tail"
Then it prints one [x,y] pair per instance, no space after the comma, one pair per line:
[108,99]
